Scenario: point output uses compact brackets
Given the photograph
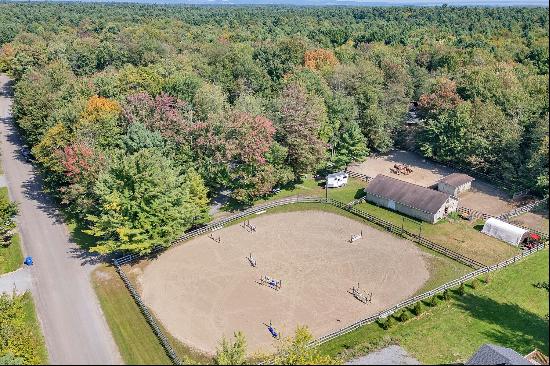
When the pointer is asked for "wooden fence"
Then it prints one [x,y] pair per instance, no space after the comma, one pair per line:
[521,210]
[152,322]
[478,214]
[480,267]
[353,174]
[413,300]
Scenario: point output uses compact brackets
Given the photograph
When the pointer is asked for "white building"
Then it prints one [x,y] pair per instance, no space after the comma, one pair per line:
[455,183]
[504,231]
[411,199]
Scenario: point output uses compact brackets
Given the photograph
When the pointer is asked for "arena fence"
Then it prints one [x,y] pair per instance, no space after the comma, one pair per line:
[413,300]
[480,268]
[152,322]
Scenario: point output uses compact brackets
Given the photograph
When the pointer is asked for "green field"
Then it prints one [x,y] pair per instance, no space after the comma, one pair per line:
[11,257]
[136,341]
[456,234]
[508,311]
[32,323]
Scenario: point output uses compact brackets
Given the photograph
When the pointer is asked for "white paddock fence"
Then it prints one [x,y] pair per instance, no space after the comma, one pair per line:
[411,301]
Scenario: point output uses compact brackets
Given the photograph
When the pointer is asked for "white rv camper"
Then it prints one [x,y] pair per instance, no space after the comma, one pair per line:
[336,180]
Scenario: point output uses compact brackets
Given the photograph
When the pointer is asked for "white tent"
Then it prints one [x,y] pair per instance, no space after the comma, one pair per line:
[504,231]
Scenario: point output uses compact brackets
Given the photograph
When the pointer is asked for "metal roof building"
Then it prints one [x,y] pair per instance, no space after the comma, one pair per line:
[411,199]
[455,183]
[490,354]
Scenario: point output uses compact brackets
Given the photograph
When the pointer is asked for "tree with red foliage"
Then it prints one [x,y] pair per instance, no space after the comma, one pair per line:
[444,97]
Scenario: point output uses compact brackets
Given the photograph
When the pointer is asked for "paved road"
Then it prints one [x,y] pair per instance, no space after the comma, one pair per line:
[74,326]
[19,280]
[391,355]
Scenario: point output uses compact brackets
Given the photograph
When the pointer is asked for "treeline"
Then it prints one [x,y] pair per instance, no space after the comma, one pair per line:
[139,113]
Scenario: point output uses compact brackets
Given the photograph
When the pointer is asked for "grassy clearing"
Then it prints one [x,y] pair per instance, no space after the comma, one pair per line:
[456,234]
[508,311]
[136,341]
[11,257]
[31,322]
[311,187]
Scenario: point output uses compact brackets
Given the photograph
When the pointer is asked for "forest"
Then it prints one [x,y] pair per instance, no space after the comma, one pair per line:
[138,114]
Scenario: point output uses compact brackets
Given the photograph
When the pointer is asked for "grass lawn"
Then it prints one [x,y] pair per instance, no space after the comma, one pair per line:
[311,187]
[31,321]
[456,234]
[508,311]
[136,341]
[11,257]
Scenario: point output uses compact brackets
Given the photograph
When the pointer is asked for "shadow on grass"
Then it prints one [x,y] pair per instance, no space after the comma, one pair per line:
[516,327]
[360,193]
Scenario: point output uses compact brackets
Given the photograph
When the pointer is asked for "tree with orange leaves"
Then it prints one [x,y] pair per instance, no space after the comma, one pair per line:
[319,58]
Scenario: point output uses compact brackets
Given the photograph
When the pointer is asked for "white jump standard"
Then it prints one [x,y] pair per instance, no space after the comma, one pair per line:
[355,237]
[251,260]
[270,282]
[248,227]
[363,296]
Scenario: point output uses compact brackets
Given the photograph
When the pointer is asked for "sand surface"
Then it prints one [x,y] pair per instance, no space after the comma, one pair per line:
[202,289]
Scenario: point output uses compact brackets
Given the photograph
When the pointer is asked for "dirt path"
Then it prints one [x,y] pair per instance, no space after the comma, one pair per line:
[72,321]
[202,289]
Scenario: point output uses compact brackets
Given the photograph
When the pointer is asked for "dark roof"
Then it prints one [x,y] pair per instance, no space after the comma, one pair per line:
[408,194]
[490,354]
[456,179]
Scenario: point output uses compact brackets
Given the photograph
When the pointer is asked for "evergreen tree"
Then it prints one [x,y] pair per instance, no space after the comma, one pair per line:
[350,147]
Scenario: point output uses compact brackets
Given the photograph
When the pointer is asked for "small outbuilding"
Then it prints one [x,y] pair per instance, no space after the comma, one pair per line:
[411,199]
[336,180]
[490,354]
[455,183]
[504,231]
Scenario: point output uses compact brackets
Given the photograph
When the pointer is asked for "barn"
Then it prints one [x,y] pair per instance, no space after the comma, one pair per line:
[413,200]
[455,183]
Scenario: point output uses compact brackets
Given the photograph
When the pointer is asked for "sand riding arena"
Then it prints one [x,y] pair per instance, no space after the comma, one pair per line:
[207,288]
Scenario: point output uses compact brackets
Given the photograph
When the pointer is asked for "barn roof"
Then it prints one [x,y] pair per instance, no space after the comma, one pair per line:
[490,354]
[408,194]
[456,179]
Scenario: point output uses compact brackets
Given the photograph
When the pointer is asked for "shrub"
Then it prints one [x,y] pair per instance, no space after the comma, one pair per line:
[404,316]
[461,289]
[433,300]
[446,295]
[487,279]
[387,323]
[417,309]
[474,284]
